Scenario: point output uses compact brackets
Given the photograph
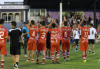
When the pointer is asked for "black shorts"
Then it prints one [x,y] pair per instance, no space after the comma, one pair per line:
[91,41]
[76,41]
[48,45]
[15,50]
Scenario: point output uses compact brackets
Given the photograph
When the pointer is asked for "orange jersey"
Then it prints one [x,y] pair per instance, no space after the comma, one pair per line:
[84,32]
[3,33]
[66,33]
[54,35]
[33,32]
[42,33]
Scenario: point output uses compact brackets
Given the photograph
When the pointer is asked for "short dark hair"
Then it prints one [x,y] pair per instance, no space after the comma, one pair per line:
[32,22]
[65,23]
[2,21]
[13,23]
[43,23]
[84,22]
[53,25]
[91,25]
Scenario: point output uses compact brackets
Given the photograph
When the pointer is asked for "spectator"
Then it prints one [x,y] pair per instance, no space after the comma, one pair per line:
[49,19]
[89,19]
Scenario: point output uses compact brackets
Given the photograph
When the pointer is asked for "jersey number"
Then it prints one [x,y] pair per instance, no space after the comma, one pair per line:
[65,34]
[33,34]
[1,34]
[43,35]
[54,36]
[85,34]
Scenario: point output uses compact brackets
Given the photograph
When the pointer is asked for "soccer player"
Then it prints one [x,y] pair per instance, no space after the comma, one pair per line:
[92,38]
[84,39]
[15,34]
[76,37]
[54,41]
[41,45]
[26,37]
[31,45]
[65,39]
[3,35]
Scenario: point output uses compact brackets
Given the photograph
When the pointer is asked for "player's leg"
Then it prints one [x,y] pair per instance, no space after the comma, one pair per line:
[58,53]
[49,53]
[14,60]
[2,61]
[52,53]
[17,61]
[93,41]
[84,56]
[33,51]
[46,53]
[25,48]
[64,52]
[93,49]
[38,53]
[3,53]
[68,50]
[89,46]
[28,53]
[44,49]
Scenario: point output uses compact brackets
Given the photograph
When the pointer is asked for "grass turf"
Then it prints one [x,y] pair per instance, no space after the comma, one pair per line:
[76,61]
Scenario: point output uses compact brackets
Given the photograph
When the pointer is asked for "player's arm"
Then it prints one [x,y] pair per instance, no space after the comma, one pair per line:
[81,22]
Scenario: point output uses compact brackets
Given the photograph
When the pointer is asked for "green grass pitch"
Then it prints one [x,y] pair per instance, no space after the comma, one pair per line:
[76,61]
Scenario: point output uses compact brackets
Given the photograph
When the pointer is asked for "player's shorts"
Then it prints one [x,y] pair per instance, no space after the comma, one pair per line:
[15,50]
[76,41]
[48,44]
[31,45]
[41,45]
[83,45]
[66,45]
[55,47]
[3,48]
[72,41]
[91,41]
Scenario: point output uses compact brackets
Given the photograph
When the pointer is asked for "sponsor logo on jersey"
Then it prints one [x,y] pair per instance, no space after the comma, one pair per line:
[33,28]
[85,29]
[54,31]
[44,30]
[65,29]
[2,29]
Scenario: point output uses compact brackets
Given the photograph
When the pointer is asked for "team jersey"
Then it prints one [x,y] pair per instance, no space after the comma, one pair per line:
[42,33]
[3,33]
[32,32]
[54,35]
[92,33]
[66,33]
[84,32]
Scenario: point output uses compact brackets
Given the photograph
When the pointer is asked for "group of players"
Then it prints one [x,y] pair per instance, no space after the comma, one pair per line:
[40,45]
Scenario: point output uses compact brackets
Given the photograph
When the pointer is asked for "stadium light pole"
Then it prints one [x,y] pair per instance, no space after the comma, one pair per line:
[94,14]
[24,16]
[60,13]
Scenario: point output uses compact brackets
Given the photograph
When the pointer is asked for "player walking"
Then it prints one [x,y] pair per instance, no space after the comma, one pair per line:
[3,35]
[84,39]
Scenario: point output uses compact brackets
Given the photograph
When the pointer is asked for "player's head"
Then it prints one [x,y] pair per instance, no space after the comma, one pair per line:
[84,22]
[43,23]
[32,22]
[2,21]
[53,25]
[65,23]
[13,24]
[91,25]
[26,24]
